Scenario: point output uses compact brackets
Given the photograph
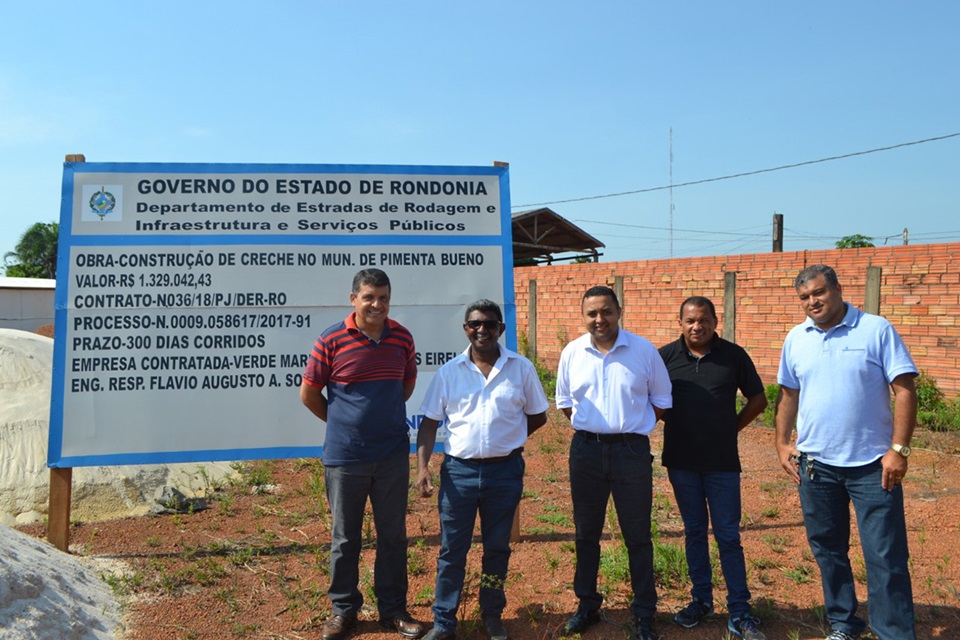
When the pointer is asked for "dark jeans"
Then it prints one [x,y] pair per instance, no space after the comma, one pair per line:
[493,489]
[623,469]
[712,497]
[825,495]
[386,484]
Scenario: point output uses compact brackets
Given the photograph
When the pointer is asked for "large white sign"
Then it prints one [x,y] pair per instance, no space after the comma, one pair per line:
[188,296]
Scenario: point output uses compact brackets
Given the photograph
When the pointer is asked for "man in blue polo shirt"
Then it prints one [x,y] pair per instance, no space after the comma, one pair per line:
[613,387]
[836,372]
[367,366]
[703,462]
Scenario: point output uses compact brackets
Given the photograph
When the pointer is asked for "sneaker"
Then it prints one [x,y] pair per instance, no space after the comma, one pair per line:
[745,627]
[582,619]
[693,614]
[644,630]
[841,635]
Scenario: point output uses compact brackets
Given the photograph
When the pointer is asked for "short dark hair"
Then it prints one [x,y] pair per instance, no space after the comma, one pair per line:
[371,277]
[699,302]
[484,306]
[809,273]
[599,291]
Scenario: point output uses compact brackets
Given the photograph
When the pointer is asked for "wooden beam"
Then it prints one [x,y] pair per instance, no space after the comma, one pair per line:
[58,518]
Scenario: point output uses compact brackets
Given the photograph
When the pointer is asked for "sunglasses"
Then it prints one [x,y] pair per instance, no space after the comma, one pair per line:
[489,325]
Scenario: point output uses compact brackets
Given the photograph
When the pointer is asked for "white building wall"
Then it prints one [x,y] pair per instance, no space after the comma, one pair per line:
[26,303]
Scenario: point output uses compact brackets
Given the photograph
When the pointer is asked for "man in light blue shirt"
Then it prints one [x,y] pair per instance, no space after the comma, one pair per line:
[836,372]
[613,386]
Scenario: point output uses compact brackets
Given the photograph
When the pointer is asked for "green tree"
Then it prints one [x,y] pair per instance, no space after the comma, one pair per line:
[855,241]
[35,255]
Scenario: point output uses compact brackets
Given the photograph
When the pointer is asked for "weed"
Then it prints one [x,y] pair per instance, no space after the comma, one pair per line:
[770,512]
[256,474]
[800,574]
[424,596]
[764,563]
[552,561]
[548,378]
[555,519]
[225,503]
[415,558]
[615,565]
[772,391]
[369,540]
[859,570]
[775,542]
[670,563]
[123,584]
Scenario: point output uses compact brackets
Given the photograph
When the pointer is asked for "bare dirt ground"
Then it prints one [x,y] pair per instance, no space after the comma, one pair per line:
[254,565]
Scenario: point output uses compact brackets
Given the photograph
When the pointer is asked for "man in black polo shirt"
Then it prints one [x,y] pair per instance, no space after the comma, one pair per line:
[701,456]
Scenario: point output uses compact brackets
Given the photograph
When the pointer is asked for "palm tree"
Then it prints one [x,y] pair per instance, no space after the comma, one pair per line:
[35,255]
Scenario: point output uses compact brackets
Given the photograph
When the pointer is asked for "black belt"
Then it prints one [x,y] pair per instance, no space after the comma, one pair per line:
[608,438]
[512,454]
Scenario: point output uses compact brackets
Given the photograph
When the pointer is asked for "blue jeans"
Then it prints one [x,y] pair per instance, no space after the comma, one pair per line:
[825,496]
[623,469]
[493,489]
[705,498]
[386,484]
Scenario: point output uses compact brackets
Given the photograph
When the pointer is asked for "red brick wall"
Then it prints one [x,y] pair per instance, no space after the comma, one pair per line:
[919,294]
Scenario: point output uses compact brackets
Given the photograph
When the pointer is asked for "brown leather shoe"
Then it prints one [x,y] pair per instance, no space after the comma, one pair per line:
[337,627]
[406,626]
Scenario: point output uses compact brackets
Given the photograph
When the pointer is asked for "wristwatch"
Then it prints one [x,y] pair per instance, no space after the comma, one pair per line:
[902,449]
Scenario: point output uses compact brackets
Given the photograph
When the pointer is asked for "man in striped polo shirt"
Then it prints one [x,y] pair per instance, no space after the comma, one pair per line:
[367,365]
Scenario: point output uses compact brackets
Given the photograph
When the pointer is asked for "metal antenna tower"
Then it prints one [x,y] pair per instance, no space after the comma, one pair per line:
[671,192]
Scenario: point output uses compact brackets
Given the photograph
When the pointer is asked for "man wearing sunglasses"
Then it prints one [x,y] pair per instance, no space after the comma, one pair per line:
[491,400]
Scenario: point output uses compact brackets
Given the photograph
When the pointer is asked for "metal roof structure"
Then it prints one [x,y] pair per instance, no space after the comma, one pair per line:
[543,236]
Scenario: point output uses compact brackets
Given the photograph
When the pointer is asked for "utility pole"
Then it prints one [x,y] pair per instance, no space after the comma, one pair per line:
[777,232]
[905,240]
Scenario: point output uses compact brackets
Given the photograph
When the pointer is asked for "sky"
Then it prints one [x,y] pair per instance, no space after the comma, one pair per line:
[584,100]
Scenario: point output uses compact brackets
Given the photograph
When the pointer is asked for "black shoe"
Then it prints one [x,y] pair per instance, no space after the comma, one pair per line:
[494,628]
[405,625]
[693,614]
[439,634]
[581,621]
[644,630]
[337,627]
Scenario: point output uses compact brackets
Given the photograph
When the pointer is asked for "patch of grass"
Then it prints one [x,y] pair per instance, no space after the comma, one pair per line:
[416,563]
[670,563]
[554,517]
[548,379]
[255,474]
[799,574]
[614,565]
[774,542]
[772,392]
[424,596]
[123,584]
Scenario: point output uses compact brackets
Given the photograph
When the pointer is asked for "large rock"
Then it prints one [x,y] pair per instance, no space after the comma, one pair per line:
[99,493]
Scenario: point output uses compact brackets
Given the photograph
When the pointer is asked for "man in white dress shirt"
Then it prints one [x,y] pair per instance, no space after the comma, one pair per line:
[491,400]
[613,386]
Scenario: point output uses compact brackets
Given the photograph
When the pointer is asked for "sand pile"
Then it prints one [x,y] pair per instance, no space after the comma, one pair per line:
[99,493]
[47,594]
